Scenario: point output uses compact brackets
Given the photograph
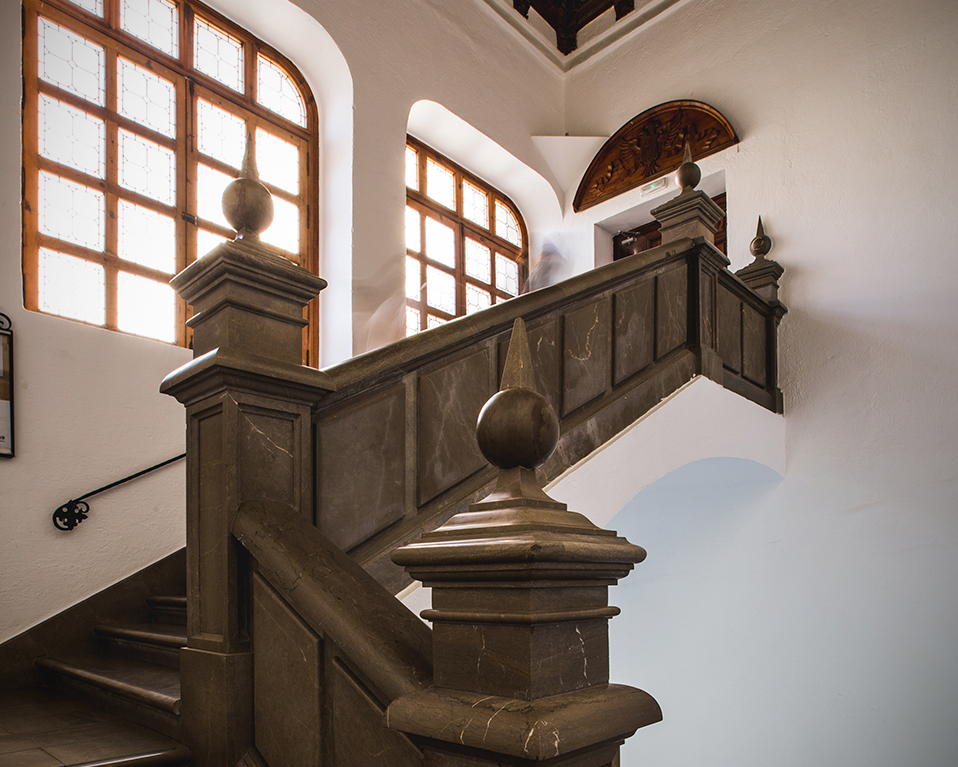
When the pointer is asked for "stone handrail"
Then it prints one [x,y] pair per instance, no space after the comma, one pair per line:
[336,598]
[367,369]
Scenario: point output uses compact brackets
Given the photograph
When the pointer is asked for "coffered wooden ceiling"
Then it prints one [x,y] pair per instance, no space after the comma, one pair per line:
[567,17]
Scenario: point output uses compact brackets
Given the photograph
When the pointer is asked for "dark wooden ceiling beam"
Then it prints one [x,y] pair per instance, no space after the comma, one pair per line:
[568,17]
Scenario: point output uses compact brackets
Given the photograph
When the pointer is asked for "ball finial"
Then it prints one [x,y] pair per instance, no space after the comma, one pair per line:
[689,174]
[247,203]
[517,427]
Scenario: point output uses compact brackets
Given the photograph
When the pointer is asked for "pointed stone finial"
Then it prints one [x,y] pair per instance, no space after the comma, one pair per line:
[517,373]
[517,428]
[247,203]
[762,244]
[689,174]
[763,274]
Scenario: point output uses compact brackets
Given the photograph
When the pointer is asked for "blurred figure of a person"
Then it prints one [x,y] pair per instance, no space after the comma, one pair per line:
[550,268]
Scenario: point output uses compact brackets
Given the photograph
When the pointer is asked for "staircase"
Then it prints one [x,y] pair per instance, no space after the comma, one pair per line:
[292,646]
[116,701]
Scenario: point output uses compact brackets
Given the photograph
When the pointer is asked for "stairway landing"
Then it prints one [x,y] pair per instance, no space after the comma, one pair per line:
[46,728]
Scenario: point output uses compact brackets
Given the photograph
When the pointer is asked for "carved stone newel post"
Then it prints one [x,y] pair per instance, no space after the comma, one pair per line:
[520,611]
[248,402]
[692,213]
[762,276]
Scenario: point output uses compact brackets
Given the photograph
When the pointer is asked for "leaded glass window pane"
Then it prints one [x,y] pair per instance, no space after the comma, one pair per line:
[222,134]
[153,21]
[477,299]
[507,275]
[72,212]
[284,231]
[441,290]
[475,204]
[210,186]
[277,161]
[277,92]
[478,260]
[218,54]
[413,231]
[206,241]
[413,278]
[71,137]
[93,6]
[146,167]
[440,242]
[146,307]
[146,237]
[71,287]
[440,184]
[412,168]
[146,98]
[72,62]
[507,226]
[432,321]
[412,320]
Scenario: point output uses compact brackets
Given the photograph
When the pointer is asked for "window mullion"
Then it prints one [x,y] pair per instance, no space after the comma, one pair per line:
[112,183]
[249,69]
[423,293]
[460,269]
[31,173]
[186,36]
[185,233]
[111,13]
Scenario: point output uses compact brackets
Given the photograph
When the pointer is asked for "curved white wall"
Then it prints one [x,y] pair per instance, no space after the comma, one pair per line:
[701,420]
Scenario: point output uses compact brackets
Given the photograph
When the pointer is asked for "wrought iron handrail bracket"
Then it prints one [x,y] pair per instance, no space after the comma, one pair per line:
[74,511]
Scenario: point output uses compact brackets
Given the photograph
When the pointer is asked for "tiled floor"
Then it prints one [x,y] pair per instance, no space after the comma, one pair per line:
[40,728]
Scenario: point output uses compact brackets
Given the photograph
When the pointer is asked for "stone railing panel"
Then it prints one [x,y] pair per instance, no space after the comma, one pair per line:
[360,464]
[449,398]
[586,353]
[395,446]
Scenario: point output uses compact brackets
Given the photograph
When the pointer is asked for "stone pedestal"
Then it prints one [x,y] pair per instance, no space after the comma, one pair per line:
[248,408]
[520,611]
[691,214]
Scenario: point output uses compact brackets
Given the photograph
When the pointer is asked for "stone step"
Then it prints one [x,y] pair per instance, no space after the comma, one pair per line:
[168,609]
[41,726]
[151,642]
[146,693]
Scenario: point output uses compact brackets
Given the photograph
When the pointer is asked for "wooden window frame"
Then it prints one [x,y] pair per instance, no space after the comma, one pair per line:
[190,85]
[462,227]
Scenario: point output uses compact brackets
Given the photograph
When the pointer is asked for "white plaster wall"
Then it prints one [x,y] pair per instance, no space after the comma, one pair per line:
[700,420]
[87,413]
[812,620]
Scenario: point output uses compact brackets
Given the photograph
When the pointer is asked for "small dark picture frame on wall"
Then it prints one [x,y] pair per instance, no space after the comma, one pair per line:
[6,387]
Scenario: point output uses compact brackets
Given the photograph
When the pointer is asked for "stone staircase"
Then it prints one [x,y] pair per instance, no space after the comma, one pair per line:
[132,675]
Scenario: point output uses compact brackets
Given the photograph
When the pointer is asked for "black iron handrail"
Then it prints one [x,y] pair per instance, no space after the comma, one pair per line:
[73,512]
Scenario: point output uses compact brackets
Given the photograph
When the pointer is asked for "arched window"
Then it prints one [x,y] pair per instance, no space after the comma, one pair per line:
[135,116]
[466,244]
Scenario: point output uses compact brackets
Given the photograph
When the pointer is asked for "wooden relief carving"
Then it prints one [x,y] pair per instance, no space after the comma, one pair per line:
[650,145]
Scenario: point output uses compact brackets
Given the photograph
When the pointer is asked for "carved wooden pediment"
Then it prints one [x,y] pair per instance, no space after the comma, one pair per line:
[650,145]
